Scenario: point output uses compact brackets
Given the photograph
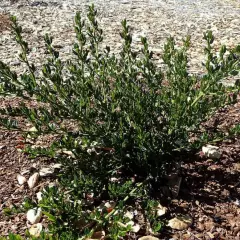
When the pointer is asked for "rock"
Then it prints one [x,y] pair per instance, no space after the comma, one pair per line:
[45,172]
[131,223]
[52,184]
[69,153]
[136,228]
[148,238]
[21,179]
[237,202]
[161,210]
[211,152]
[129,215]
[16,63]
[180,222]
[33,129]
[24,172]
[34,215]
[236,166]
[35,230]
[109,204]
[39,196]
[113,179]
[57,46]
[57,166]
[33,180]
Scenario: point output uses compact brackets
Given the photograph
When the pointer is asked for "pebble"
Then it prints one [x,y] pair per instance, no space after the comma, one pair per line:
[129,215]
[34,215]
[148,238]
[180,222]
[211,151]
[57,166]
[156,20]
[237,202]
[46,172]
[35,230]
[21,179]
[136,228]
[161,210]
[33,180]
[39,196]
[15,63]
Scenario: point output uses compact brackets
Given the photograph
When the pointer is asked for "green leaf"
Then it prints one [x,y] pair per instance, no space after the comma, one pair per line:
[50,216]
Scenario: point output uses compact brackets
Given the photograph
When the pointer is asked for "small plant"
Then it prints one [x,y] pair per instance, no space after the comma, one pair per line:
[131,118]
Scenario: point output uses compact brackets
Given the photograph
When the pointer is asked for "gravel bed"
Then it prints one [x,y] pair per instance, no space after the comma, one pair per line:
[156,19]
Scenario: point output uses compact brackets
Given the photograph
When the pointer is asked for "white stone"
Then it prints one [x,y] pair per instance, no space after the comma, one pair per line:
[45,172]
[36,229]
[211,152]
[32,129]
[136,228]
[52,184]
[33,180]
[148,238]
[69,153]
[110,204]
[21,179]
[39,196]
[57,166]
[180,222]
[131,223]
[237,202]
[34,215]
[129,215]
[161,210]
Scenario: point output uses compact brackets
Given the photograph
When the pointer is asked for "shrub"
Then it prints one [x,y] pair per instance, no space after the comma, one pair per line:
[131,117]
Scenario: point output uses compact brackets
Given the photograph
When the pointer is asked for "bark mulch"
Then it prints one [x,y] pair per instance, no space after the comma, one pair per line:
[209,192]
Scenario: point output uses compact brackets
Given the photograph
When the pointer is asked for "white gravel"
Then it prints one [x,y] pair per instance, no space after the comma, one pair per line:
[156,19]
